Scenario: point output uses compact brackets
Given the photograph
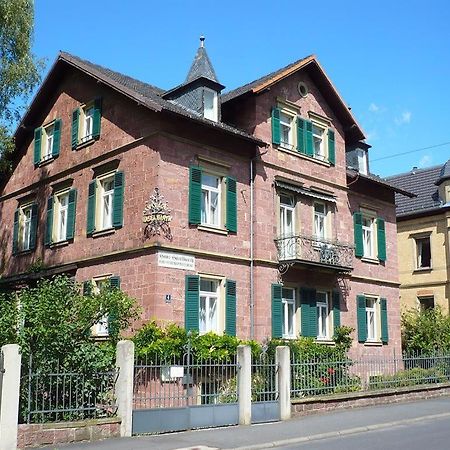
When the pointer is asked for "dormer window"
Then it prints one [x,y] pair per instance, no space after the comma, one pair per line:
[362,161]
[210,110]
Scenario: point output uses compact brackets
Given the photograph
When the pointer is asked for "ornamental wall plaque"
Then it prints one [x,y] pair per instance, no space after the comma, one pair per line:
[157,217]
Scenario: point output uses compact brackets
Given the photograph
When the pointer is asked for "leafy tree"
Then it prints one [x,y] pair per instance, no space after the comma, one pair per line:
[19,69]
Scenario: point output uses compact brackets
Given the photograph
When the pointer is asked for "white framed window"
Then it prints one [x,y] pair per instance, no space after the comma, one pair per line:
[287,130]
[210,105]
[320,220]
[209,305]
[288,305]
[368,225]
[287,225]
[106,198]
[361,156]
[47,144]
[372,318]
[323,312]
[211,200]
[319,141]
[87,122]
[100,328]
[423,252]
[62,208]
[25,227]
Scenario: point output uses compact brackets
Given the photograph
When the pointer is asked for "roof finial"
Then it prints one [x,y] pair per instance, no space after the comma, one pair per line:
[202,41]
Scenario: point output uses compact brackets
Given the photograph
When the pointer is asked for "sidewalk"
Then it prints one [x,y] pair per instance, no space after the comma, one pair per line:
[288,432]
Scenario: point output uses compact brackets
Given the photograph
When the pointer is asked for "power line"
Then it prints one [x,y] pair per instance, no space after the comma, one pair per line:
[410,151]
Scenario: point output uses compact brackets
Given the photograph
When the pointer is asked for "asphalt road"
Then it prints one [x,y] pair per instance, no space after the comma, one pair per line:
[429,434]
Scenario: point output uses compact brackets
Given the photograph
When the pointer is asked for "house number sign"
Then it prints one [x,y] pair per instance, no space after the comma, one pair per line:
[157,217]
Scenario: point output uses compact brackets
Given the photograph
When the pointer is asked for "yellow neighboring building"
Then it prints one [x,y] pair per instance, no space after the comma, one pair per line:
[423,230]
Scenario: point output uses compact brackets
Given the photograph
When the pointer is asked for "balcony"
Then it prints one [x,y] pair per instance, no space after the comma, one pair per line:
[310,250]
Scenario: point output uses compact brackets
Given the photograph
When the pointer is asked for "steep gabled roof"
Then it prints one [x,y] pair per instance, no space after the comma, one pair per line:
[422,183]
[351,127]
[201,66]
[143,93]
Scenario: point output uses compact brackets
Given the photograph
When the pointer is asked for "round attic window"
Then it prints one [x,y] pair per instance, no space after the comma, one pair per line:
[302,89]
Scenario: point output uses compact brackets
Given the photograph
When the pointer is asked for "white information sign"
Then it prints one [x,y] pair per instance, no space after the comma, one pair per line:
[176,260]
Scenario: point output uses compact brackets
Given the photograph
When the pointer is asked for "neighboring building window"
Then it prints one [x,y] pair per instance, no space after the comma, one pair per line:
[209,306]
[105,202]
[372,319]
[287,226]
[25,225]
[287,130]
[210,105]
[426,303]
[320,220]
[86,123]
[322,315]
[423,253]
[288,313]
[47,141]
[212,199]
[370,235]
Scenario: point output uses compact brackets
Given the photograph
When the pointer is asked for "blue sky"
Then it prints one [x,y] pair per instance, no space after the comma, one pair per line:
[390,60]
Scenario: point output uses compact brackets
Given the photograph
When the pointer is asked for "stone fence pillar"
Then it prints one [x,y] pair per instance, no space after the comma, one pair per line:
[284,381]
[244,360]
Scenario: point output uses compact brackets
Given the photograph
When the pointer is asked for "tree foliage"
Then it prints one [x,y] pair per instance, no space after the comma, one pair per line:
[425,332]
[19,68]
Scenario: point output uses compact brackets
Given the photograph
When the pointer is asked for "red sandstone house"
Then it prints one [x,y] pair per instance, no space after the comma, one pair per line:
[270,223]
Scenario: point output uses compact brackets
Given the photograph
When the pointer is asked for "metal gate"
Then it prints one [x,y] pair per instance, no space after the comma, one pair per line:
[265,401]
[183,393]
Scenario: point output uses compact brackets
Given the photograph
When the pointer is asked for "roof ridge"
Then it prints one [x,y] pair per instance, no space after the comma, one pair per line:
[410,172]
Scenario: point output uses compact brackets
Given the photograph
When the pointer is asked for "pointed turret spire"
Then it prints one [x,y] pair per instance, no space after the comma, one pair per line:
[201,66]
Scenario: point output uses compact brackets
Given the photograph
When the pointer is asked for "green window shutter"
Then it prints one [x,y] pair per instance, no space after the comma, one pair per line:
[381,239]
[277,315]
[97,118]
[331,147]
[49,224]
[336,309]
[195,194]
[33,226]
[308,312]
[90,228]
[361,318]
[37,145]
[192,302]
[114,282]
[276,138]
[301,135]
[56,138]
[312,313]
[113,324]
[71,211]
[15,245]
[309,139]
[357,228]
[119,184]
[230,308]
[384,321]
[231,224]
[75,123]
[87,287]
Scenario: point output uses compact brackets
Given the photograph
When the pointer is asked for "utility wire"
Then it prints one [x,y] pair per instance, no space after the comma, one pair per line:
[410,151]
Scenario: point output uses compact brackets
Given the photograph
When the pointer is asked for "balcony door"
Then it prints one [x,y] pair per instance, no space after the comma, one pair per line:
[287,227]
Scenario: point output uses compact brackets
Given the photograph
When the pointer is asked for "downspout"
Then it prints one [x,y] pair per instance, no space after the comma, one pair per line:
[252,298]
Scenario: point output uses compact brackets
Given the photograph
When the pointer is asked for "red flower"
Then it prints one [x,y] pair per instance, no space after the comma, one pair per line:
[330,370]
[325,380]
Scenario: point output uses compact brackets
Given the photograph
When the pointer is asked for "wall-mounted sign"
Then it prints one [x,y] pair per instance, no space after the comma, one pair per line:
[157,217]
[176,260]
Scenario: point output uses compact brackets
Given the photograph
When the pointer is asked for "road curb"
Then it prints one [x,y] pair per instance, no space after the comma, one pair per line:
[345,432]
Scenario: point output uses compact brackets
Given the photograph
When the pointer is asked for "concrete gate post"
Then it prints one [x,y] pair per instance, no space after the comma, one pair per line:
[244,378]
[124,385]
[9,401]
[284,381]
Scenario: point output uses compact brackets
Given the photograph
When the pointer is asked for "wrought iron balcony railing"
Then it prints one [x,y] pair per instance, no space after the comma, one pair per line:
[315,251]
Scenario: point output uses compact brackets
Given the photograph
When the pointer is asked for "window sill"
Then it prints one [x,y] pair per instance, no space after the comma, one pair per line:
[46,161]
[100,337]
[59,244]
[293,152]
[23,252]
[423,269]
[104,232]
[326,341]
[213,229]
[86,143]
[373,344]
[370,260]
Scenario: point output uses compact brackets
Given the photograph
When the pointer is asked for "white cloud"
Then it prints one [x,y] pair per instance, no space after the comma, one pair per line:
[425,161]
[373,107]
[371,135]
[404,118]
